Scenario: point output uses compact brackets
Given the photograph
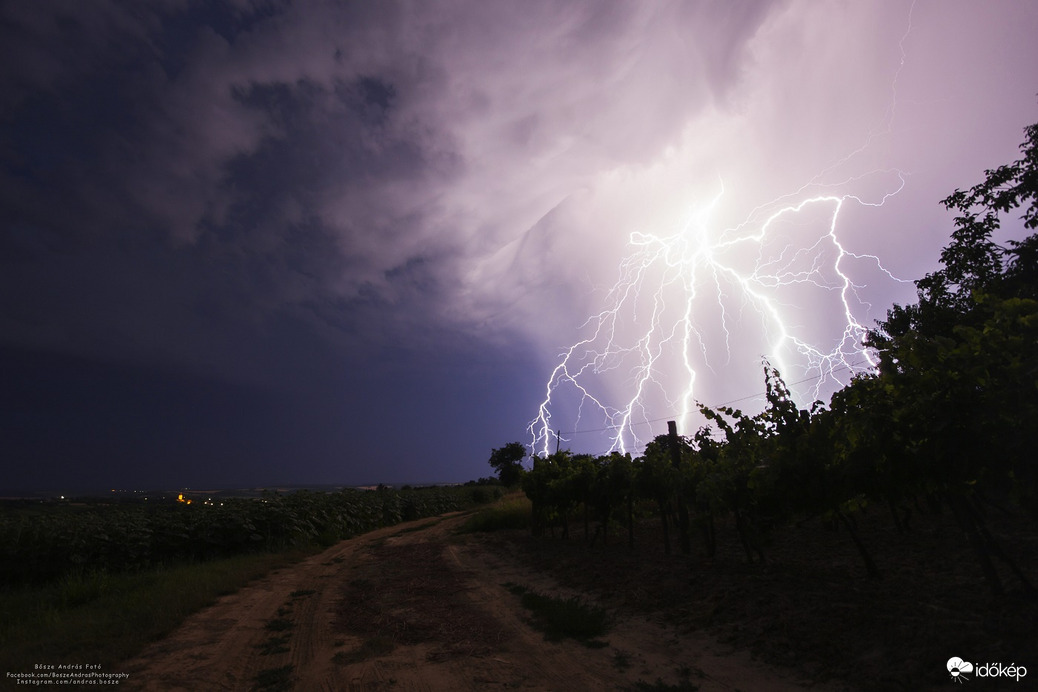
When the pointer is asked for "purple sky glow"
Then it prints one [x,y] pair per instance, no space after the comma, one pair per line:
[258,242]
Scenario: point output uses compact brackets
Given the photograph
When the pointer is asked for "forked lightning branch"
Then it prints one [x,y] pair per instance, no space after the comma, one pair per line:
[688,304]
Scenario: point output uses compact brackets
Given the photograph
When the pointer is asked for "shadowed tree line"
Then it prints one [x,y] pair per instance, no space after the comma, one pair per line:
[946,422]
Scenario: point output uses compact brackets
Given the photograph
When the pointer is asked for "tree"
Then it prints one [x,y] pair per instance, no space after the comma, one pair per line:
[973,264]
[655,477]
[507,461]
[614,486]
[961,365]
[550,487]
[750,474]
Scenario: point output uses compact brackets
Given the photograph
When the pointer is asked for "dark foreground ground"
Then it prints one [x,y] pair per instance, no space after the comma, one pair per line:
[811,608]
[422,606]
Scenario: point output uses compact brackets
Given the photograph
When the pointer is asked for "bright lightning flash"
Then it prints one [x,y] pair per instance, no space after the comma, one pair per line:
[699,299]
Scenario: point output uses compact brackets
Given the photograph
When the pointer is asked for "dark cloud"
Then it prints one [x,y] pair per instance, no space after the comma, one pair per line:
[283,196]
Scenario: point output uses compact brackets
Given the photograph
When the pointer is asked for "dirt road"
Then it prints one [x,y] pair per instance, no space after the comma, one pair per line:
[417,607]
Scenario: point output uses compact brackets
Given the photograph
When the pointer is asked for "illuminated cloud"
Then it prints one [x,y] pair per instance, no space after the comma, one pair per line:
[257,190]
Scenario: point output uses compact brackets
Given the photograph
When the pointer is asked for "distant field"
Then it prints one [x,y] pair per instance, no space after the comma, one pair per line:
[90,580]
[44,541]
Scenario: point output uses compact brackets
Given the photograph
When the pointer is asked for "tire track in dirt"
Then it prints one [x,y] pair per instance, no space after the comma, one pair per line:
[221,646]
[650,651]
[451,624]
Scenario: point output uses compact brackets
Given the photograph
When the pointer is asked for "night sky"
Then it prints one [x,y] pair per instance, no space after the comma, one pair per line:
[259,242]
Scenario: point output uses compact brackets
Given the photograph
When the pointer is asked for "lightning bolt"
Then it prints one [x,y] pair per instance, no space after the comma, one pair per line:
[678,295]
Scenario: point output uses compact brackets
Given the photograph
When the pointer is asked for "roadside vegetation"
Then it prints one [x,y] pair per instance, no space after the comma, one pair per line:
[945,423]
[921,471]
[513,511]
[97,581]
[104,618]
[841,536]
[41,543]
[560,618]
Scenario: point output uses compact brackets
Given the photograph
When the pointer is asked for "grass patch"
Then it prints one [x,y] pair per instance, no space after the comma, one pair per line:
[274,679]
[559,618]
[274,645]
[517,589]
[511,512]
[107,618]
[621,660]
[278,625]
[81,587]
[371,648]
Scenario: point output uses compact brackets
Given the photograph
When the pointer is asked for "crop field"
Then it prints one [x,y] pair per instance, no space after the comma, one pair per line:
[40,543]
[92,580]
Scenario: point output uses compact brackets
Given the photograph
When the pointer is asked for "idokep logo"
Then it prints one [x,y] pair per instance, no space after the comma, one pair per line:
[959,670]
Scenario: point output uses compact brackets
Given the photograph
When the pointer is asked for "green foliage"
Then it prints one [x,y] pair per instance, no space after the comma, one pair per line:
[278,625]
[482,493]
[49,545]
[549,488]
[507,461]
[104,617]
[959,370]
[274,679]
[79,587]
[560,618]
[274,646]
[611,487]
[513,512]
[759,471]
[951,415]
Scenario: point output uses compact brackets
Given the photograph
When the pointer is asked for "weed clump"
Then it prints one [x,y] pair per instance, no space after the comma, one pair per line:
[560,618]
[278,625]
[274,679]
[510,513]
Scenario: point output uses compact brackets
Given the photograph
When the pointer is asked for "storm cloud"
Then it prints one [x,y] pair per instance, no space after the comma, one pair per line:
[371,215]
